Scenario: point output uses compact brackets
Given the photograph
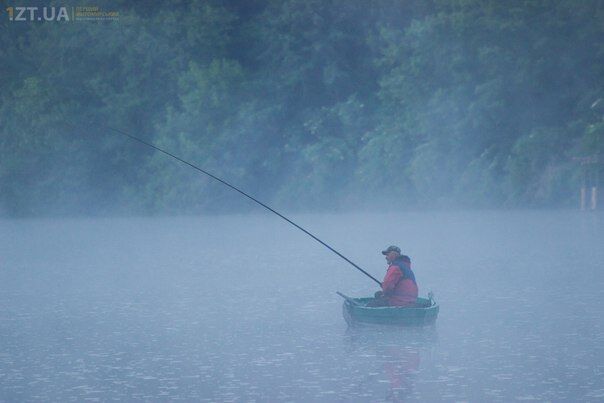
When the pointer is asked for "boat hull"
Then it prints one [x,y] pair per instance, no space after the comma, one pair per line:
[356,311]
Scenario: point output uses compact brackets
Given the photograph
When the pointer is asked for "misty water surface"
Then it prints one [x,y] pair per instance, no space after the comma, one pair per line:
[244,308]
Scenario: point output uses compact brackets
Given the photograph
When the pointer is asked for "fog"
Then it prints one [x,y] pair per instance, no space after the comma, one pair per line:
[470,133]
[243,307]
[308,105]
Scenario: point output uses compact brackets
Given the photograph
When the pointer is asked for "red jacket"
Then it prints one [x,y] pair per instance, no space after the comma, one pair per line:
[399,284]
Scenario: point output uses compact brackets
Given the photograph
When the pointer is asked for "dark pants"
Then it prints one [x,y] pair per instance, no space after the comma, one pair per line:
[376,302]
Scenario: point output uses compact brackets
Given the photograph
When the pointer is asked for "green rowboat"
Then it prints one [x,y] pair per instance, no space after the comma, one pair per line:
[356,311]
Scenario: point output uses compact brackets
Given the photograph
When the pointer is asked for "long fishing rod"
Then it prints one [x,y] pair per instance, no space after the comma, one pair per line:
[123,133]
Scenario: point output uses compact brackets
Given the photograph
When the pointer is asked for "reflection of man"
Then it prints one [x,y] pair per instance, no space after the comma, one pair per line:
[402,364]
[399,287]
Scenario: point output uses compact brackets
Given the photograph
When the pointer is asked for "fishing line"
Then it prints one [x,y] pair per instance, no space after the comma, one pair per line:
[130,136]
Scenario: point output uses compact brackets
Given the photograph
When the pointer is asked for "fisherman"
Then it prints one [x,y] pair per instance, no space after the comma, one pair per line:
[398,287]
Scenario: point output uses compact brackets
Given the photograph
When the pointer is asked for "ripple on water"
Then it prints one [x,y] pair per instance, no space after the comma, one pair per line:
[180,325]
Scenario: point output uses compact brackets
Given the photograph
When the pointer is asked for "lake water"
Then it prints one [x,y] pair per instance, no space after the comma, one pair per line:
[243,308]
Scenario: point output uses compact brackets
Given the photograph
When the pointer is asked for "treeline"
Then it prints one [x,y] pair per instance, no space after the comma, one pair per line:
[307,104]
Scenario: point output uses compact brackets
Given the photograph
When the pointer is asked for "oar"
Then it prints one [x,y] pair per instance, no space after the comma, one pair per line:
[347,298]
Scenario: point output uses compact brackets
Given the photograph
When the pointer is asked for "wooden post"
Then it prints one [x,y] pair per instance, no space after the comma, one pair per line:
[590,173]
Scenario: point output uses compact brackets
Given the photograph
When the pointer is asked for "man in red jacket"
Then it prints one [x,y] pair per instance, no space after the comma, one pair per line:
[398,287]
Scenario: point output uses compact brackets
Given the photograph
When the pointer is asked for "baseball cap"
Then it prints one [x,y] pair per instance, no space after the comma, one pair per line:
[391,248]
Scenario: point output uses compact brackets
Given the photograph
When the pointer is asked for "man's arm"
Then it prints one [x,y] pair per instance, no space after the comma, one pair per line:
[393,275]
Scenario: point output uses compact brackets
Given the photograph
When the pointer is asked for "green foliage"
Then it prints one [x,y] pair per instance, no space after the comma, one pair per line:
[307,104]
[537,168]
[593,139]
[322,163]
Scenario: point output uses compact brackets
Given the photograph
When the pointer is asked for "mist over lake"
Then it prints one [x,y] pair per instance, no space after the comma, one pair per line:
[243,307]
[135,137]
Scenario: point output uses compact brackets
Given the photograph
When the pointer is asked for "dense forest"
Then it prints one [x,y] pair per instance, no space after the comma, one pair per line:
[306,104]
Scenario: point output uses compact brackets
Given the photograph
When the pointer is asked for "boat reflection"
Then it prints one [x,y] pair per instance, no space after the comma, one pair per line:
[396,354]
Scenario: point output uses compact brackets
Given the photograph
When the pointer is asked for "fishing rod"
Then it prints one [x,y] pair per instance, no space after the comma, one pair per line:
[123,133]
